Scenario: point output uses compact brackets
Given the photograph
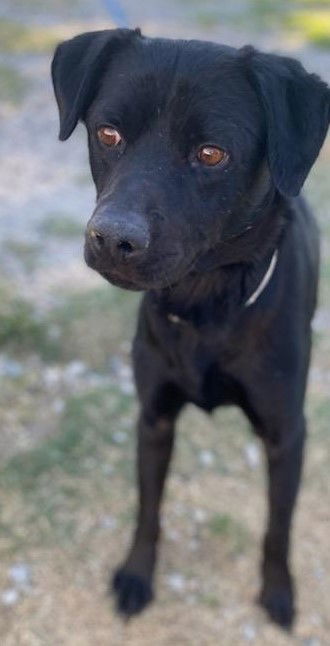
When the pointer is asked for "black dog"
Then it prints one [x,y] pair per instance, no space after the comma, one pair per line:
[198,152]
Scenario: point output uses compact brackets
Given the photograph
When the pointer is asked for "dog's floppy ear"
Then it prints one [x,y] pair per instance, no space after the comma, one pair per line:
[77,68]
[296,106]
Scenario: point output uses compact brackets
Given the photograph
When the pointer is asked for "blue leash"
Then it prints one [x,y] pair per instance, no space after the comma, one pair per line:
[117,12]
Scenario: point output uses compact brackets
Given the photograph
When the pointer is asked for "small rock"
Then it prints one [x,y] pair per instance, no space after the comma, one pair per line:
[321,320]
[107,469]
[124,375]
[58,405]
[74,369]
[127,387]
[173,535]
[252,455]
[200,515]
[10,368]
[119,437]
[108,522]
[115,364]
[52,376]
[316,620]
[319,573]
[90,463]
[249,632]
[319,376]
[193,545]
[127,422]
[176,582]
[54,332]
[96,380]
[179,509]
[126,347]
[120,368]
[9,597]
[20,574]
[191,599]
[206,458]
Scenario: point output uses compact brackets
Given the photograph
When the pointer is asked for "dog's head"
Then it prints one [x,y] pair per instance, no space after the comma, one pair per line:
[187,141]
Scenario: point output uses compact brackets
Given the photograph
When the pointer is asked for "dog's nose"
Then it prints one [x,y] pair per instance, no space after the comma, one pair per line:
[123,239]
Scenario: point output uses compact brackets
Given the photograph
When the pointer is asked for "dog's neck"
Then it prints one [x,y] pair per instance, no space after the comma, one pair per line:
[224,279]
[252,228]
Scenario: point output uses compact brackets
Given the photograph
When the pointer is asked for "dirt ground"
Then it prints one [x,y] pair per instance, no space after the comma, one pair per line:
[67,404]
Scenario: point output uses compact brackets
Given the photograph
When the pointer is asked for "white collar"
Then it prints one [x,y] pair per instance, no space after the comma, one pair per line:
[262,286]
[173,318]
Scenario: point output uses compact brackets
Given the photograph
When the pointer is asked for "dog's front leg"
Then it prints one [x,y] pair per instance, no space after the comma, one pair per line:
[284,471]
[133,581]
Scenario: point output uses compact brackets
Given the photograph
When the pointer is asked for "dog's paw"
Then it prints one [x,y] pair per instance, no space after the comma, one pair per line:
[132,591]
[278,603]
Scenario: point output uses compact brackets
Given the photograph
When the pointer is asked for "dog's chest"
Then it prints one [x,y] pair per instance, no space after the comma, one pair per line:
[201,367]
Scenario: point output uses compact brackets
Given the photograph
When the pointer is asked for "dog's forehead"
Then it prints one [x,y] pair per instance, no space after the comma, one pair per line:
[192,88]
[156,71]
[170,57]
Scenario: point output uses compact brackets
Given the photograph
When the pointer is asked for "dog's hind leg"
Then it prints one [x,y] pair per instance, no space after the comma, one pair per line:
[132,582]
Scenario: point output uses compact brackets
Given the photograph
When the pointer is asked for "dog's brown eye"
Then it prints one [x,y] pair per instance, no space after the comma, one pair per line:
[211,155]
[109,136]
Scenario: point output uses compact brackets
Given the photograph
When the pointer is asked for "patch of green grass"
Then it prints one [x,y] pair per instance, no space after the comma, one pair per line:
[18,38]
[317,186]
[257,14]
[229,528]
[208,600]
[207,18]
[221,524]
[91,325]
[103,300]
[11,539]
[311,3]
[86,427]
[267,10]
[60,225]
[20,327]
[324,289]
[26,252]
[47,488]
[82,179]
[320,414]
[310,18]
[63,451]
[313,25]
[14,86]
[43,516]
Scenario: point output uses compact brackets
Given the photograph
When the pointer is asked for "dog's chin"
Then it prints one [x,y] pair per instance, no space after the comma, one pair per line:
[124,283]
[143,278]
[133,281]
[137,283]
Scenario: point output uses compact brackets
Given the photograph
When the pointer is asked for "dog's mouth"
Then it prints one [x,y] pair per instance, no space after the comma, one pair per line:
[115,278]
[162,271]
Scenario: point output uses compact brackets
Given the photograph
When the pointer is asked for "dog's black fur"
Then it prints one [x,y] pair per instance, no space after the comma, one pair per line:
[199,240]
